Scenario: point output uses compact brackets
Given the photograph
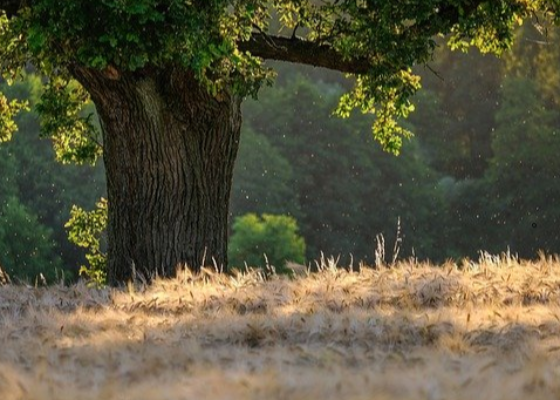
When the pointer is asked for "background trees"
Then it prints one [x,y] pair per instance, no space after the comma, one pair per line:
[36,195]
[482,172]
[511,201]
[344,188]
[168,79]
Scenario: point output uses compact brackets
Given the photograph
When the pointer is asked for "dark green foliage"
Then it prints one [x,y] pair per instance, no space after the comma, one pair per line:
[346,189]
[510,200]
[455,114]
[30,175]
[275,237]
[472,225]
[128,36]
[525,173]
[27,248]
[264,179]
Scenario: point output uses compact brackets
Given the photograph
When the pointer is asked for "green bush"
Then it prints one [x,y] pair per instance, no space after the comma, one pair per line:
[274,235]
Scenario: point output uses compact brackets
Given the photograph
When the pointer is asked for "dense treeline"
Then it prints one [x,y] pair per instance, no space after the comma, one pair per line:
[341,187]
[482,173]
[507,195]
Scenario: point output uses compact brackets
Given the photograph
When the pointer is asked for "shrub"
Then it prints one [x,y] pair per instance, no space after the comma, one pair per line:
[274,235]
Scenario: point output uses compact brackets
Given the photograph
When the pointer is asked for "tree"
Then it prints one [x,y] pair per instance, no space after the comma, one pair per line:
[526,142]
[168,77]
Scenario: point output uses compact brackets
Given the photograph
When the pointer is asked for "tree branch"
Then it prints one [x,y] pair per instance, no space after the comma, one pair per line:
[298,50]
[301,51]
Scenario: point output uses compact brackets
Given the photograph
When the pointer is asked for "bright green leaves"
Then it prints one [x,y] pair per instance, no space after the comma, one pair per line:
[61,110]
[273,238]
[12,59]
[240,72]
[390,36]
[8,111]
[86,230]
[203,36]
[296,13]
[244,16]
[74,135]
[13,48]
[244,73]
[225,67]
[490,27]
[394,36]
[388,97]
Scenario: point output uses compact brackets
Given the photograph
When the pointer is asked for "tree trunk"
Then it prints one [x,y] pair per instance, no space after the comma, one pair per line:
[169,149]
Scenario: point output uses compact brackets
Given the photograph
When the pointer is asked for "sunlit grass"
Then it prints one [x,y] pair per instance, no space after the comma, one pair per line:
[487,330]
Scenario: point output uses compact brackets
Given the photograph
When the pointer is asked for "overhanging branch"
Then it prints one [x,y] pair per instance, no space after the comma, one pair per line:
[301,51]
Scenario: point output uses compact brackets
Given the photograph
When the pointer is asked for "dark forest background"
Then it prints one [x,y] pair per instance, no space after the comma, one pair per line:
[481,173]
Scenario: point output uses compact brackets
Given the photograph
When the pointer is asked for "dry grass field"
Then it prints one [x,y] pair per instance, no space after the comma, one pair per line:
[487,330]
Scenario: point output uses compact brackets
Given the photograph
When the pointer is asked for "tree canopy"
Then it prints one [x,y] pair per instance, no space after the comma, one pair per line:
[223,42]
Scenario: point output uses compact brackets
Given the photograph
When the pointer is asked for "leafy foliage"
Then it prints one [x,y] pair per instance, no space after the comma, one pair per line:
[75,137]
[26,246]
[86,230]
[205,36]
[43,187]
[275,236]
[8,111]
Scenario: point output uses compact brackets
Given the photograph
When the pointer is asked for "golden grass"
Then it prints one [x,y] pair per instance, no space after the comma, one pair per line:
[490,330]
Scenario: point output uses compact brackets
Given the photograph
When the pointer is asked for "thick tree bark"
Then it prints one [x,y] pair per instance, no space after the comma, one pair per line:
[169,150]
